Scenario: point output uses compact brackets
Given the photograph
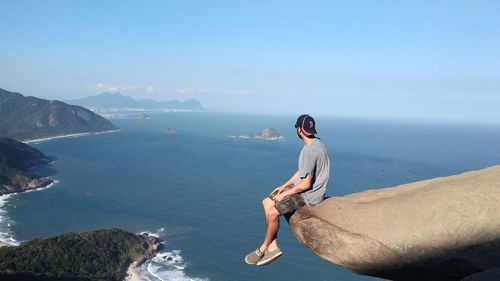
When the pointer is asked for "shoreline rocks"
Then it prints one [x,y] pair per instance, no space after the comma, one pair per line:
[440,229]
[16,162]
[103,254]
[153,246]
[36,183]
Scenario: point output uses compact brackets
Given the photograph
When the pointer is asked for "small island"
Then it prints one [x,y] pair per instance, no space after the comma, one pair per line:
[170,131]
[266,134]
[143,116]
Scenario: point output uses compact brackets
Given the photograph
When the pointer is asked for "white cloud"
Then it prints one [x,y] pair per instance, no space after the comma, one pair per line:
[105,88]
[130,88]
[192,90]
[123,89]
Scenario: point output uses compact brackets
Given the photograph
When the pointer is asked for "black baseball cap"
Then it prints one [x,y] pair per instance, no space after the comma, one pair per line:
[307,123]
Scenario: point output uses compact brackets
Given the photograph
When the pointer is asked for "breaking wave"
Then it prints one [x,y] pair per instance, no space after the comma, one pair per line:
[167,265]
[6,234]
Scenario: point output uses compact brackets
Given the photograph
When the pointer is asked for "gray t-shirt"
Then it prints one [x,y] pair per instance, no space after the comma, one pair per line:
[313,161]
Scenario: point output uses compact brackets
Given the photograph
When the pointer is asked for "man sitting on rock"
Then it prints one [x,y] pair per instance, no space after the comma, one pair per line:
[306,186]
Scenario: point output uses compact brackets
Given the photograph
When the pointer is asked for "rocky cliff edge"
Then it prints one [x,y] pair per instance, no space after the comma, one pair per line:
[440,229]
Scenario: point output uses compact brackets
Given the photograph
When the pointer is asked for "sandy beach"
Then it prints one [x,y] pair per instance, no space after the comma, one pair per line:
[132,275]
[68,136]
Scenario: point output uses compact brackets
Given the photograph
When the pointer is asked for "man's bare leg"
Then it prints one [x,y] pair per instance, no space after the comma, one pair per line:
[267,204]
[273,224]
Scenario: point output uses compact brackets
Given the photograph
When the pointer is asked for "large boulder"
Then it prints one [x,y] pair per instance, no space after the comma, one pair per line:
[440,229]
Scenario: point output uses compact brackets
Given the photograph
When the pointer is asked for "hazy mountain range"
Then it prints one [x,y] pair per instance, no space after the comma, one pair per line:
[119,101]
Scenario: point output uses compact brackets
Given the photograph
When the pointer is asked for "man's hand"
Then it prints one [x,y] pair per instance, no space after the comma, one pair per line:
[278,197]
[276,191]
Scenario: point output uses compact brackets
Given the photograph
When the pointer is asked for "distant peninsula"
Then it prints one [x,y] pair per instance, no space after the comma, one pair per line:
[115,105]
[266,134]
[16,159]
[25,118]
[104,254]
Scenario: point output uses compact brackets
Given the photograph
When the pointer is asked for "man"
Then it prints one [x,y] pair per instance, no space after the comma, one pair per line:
[306,186]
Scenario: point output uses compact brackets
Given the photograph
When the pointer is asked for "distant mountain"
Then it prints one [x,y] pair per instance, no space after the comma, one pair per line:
[24,118]
[15,160]
[96,255]
[118,101]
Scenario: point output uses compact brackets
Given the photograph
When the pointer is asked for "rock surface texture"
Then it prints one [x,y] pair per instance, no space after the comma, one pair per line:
[440,229]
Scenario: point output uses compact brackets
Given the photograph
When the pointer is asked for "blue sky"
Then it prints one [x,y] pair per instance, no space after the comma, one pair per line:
[432,60]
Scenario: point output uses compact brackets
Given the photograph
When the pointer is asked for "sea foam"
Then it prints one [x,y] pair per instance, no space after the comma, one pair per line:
[54,182]
[167,265]
[6,234]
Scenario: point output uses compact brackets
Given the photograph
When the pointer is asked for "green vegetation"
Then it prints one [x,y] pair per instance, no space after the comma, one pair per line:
[13,179]
[26,118]
[96,255]
[15,159]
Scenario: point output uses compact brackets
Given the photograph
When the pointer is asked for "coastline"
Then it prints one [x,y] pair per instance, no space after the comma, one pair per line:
[67,136]
[6,237]
[42,183]
[132,275]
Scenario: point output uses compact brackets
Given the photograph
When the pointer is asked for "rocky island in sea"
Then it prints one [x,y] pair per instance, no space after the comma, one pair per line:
[16,159]
[170,131]
[266,134]
[104,254]
[26,118]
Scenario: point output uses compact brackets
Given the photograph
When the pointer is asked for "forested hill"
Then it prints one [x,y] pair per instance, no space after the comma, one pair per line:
[96,255]
[24,118]
[16,159]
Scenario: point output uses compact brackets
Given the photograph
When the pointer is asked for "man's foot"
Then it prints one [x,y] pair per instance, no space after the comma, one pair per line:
[270,256]
[254,257]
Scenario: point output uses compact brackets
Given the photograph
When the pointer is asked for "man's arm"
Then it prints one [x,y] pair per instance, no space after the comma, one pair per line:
[280,188]
[304,185]
[291,180]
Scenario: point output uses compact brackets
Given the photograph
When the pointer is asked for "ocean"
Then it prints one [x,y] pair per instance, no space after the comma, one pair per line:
[200,190]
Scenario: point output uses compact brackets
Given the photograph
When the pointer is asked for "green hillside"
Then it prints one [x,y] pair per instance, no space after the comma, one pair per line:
[24,118]
[97,255]
[15,160]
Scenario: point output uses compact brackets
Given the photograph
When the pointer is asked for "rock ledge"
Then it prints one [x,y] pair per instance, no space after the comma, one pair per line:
[440,229]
